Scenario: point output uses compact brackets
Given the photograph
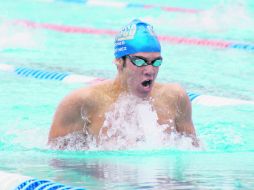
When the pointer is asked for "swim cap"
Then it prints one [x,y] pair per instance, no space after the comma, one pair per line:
[136,37]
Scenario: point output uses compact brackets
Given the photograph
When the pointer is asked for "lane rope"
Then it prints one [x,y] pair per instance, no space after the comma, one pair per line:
[68,77]
[115,4]
[167,39]
[11,181]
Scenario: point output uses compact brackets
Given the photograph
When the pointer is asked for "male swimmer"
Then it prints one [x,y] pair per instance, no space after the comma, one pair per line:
[138,59]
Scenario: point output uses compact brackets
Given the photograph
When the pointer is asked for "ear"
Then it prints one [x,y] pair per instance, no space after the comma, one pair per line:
[119,64]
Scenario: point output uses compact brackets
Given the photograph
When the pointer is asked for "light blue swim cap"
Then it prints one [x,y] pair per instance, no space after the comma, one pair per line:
[136,37]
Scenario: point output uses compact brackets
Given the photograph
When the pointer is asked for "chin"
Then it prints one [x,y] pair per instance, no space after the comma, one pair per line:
[144,94]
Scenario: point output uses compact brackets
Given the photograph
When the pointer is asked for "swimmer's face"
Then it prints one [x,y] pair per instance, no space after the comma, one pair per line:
[140,80]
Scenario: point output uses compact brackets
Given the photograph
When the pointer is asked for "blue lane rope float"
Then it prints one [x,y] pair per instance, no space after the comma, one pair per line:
[74,78]
[11,181]
[72,1]
[39,74]
[38,184]
[248,47]
[192,96]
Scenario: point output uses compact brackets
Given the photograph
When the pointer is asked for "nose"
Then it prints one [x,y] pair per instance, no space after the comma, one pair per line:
[150,70]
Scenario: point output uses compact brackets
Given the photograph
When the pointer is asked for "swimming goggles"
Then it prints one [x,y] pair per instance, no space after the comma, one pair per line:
[141,61]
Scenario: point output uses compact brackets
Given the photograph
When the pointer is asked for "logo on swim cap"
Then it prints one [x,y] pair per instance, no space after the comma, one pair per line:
[136,37]
[127,33]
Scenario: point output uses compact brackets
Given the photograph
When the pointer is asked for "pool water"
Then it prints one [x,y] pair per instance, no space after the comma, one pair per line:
[226,159]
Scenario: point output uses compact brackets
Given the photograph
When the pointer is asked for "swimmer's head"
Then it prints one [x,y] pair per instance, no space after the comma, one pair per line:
[136,37]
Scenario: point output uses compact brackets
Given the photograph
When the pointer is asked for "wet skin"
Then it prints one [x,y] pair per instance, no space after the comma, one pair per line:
[86,107]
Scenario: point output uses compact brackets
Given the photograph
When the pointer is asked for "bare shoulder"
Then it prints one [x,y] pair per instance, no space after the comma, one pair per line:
[180,96]
[69,115]
[172,91]
[75,99]
[184,124]
[88,96]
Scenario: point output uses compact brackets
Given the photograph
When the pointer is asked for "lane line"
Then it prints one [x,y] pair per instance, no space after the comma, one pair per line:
[68,77]
[116,4]
[167,39]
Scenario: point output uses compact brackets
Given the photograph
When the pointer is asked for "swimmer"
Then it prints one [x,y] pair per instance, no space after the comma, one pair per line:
[138,59]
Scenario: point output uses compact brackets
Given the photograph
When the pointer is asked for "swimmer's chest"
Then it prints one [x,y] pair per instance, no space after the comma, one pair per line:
[166,113]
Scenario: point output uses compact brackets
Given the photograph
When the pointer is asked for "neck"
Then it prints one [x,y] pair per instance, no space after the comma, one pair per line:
[119,84]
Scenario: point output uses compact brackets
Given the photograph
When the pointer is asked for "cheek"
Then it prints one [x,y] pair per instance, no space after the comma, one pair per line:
[133,78]
[132,70]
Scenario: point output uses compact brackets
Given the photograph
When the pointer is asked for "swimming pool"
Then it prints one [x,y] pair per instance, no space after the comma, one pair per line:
[27,104]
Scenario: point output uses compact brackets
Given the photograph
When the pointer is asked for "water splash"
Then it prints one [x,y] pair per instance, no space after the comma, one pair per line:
[13,37]
[222,17]
[227,15]
[131,124]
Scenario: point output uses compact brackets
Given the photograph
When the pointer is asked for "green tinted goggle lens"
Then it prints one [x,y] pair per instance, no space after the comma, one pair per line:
[138,61]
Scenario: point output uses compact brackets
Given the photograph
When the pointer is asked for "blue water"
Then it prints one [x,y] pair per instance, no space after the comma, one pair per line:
[27,105]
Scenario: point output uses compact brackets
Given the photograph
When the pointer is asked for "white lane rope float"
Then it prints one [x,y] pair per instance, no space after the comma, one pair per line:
[67,77]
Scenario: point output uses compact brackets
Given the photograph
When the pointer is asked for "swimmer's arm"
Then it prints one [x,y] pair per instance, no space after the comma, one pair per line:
[184,123]
[68,116]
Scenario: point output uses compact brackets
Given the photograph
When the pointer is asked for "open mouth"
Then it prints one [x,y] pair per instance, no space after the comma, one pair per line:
[147,83]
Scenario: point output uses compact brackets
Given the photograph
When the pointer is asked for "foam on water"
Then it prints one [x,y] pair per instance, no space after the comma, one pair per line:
[227,16]
[20,136]
[222,17]
[130,124]
[13,37]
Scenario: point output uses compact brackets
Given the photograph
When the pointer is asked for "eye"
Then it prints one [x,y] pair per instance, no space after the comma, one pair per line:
[139,62]
[157,62]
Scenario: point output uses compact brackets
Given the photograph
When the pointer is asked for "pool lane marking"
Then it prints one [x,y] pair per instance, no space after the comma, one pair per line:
[167,39]
[67,77]
[115,4]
